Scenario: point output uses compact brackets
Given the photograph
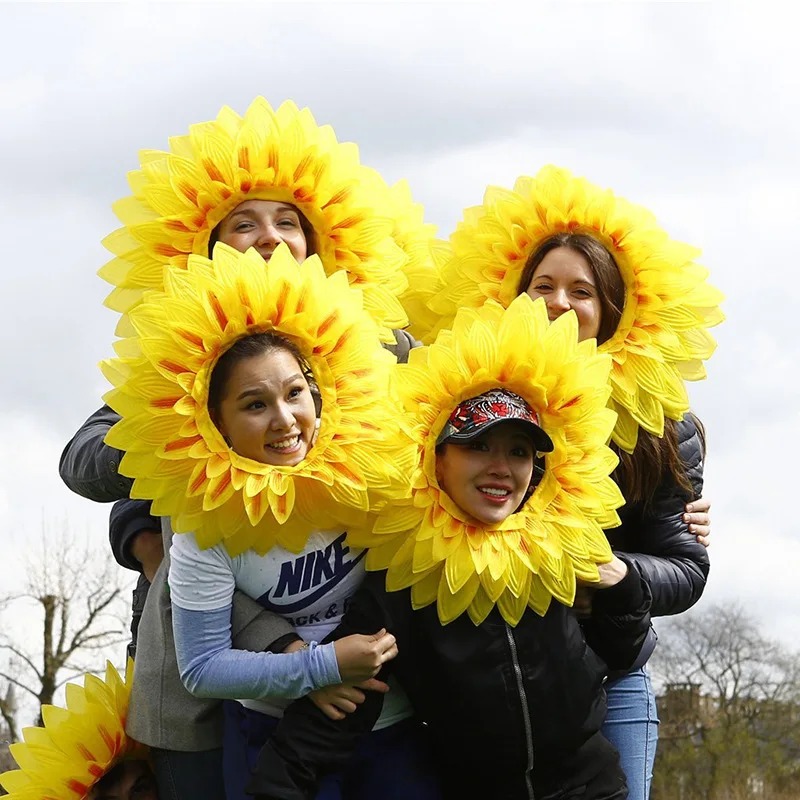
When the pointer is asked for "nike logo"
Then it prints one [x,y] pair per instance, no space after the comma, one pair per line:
[323,569]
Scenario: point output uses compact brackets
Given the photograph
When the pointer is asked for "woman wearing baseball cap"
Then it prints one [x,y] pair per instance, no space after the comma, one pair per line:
[476,572]
[643,298]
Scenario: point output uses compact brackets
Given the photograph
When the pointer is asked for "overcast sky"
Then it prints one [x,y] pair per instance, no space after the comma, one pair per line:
[690,110]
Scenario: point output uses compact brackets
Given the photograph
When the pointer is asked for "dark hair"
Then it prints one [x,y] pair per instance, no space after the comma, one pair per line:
[654,458]
[305,226]
[610,286]
[537,472]
[254,345]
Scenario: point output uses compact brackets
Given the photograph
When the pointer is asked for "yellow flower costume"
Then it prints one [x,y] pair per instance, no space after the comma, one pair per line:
[282,155]
[78,744]
[662,337]
[176,454]
[428,543]
[417,240]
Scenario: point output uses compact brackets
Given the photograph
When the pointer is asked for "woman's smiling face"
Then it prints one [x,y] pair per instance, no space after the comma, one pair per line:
[488,476]
[267,409]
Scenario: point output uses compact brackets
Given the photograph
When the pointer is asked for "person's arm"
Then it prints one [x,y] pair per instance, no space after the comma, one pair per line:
[670,559]
[209,667]
[89,467]
[201,588]
[135,536]
[619,621]
[404,343]
[307,745]
[258,630]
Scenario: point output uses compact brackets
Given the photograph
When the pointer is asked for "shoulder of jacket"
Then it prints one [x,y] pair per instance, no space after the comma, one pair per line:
[404,343]
[689,439]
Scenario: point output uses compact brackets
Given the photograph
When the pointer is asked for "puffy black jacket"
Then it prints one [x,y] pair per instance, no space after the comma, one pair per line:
[512,712]
[671,560]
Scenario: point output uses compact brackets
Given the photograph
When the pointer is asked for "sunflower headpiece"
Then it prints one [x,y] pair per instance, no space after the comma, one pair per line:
[662,337]
[174,451]
[428,543]
[78,744]
[180,196]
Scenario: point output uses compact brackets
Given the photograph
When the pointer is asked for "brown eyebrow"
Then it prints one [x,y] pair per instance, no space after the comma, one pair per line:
[580,280]
[250,212]
[257,390]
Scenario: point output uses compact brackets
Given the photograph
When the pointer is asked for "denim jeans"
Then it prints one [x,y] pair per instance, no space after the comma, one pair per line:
[632,727]
[391,764]
[188,776]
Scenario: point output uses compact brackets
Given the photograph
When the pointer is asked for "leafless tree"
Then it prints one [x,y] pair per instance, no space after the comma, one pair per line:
[731,707]
[723,650]
[74,591]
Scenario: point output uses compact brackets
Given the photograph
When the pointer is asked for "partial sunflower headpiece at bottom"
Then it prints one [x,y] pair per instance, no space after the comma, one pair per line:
[81,747]
[497,364]
[658,306]
[182,454]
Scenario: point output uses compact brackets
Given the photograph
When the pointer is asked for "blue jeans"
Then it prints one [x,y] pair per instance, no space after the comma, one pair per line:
[188,776]
[391,764]
[632,727]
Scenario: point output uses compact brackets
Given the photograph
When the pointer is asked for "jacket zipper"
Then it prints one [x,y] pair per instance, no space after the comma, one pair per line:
[526,718]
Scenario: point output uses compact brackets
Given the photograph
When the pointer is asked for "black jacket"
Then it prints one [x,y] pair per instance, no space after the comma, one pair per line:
[512,712]
[656,539]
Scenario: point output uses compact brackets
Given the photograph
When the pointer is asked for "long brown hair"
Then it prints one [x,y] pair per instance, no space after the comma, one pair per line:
[610,286]
[654,458]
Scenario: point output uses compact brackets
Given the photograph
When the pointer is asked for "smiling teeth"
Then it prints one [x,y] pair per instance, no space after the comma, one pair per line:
[495,492]
[285,444]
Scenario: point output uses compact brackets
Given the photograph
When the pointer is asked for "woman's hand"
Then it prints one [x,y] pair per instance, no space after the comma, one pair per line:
[361,657]
[336,701]
[147,547]
[610,575]
[699,520]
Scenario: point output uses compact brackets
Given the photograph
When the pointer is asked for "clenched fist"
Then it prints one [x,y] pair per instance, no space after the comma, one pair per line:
[361,657]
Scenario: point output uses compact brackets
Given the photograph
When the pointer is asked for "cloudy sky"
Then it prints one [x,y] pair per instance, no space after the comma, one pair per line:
[689,109]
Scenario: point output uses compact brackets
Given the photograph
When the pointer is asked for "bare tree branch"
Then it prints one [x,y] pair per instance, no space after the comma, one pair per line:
[730,711]
[19,654]
[77,593]
[11,679]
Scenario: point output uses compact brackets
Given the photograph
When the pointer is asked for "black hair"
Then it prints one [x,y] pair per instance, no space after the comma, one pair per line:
[247,347]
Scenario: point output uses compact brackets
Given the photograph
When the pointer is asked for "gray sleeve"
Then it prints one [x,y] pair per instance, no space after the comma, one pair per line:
[405,342]
[256,629]
[89,466]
